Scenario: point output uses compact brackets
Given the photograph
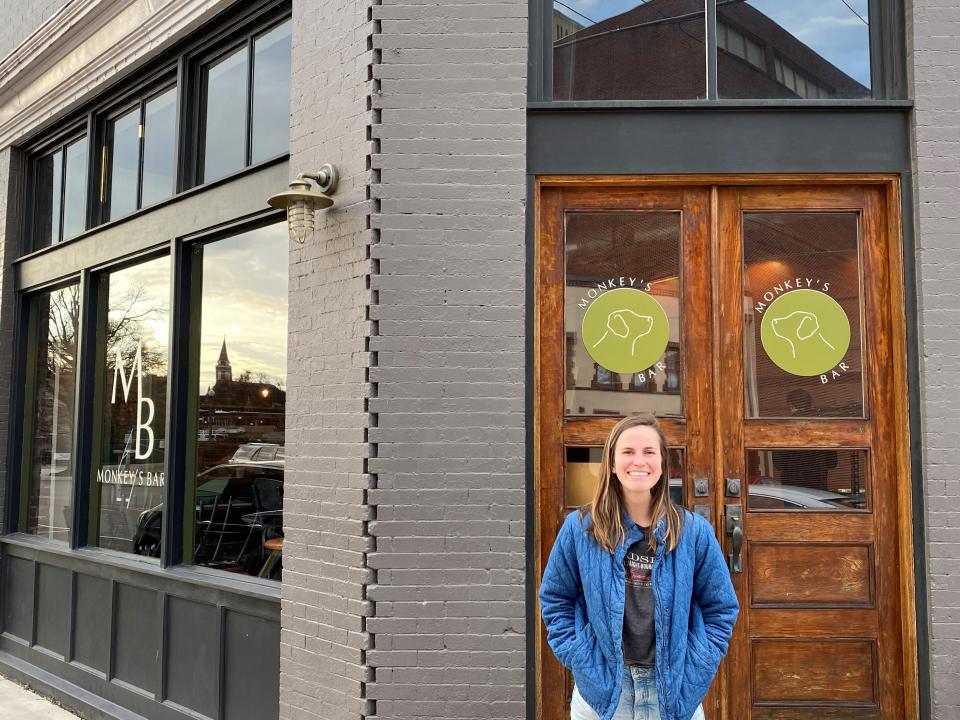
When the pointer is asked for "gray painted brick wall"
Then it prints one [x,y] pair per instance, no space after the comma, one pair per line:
[324,614]
[936,67]
[449,187]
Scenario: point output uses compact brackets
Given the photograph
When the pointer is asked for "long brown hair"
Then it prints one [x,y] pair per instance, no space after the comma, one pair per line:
[607,505]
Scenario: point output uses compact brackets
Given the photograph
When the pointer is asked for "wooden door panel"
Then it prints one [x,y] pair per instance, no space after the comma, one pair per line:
[825,433]
[828,622]
[804,671]
[792,574]
[815,713]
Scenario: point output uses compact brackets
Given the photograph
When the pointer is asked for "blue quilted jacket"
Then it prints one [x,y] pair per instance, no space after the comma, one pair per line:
[582,596]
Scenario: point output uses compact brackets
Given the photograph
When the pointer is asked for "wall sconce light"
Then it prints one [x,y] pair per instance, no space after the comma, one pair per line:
[301,202]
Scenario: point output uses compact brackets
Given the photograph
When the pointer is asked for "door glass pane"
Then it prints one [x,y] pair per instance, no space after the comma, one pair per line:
[53,401]
[802,342]
[271,94]
[124,163]
[49,186]
[622,314]
[159,147]
[242,400]
[129,470]
[75,190]
[583,472]
[224,145]
[817,50]
[807,479]
[628,50]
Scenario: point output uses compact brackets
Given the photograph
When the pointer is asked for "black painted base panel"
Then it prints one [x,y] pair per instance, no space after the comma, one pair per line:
[72,697]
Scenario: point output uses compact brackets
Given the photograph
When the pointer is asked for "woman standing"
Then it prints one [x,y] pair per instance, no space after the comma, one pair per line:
[641,618]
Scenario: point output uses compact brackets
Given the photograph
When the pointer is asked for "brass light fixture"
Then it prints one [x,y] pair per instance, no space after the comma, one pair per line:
[301,202]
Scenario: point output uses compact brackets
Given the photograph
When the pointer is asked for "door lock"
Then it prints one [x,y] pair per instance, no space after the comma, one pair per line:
[733,487]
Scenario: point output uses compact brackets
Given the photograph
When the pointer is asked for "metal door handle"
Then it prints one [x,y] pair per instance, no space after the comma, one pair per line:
[735,529]
[737,538]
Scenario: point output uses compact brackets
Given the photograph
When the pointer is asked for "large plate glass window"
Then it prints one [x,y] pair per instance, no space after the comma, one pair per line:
[140,156]
[245,116]
[48,458]
[60,193]
[815,50]
[128,476]
[241,386]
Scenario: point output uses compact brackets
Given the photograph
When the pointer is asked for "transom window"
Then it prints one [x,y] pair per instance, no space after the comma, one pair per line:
[765,49]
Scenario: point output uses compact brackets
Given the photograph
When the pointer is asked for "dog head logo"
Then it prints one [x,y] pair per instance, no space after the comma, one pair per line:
[805,332]
[625,330]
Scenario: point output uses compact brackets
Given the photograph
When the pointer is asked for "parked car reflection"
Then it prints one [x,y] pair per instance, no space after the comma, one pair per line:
[239,507]
[771,494]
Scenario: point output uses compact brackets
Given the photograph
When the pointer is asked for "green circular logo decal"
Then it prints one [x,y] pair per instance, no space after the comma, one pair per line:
[625,330]
[805,332]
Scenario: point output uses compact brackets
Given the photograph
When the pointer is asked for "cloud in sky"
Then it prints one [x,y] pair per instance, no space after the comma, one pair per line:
[245,301]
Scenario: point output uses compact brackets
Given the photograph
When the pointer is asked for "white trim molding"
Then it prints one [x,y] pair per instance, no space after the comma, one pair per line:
[84,45]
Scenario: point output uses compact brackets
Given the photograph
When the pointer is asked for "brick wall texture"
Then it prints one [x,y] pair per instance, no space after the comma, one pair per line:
[936,66]
[449,133]
[325,576]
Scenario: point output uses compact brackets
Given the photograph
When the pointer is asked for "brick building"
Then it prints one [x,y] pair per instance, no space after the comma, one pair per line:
[502,167]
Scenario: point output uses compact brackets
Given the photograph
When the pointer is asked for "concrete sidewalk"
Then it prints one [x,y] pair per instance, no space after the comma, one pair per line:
[19,703]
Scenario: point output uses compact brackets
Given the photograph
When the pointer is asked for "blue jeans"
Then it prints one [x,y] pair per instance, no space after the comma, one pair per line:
[638,698]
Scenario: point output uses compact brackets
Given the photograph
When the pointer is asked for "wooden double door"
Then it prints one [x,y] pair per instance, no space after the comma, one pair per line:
[763,324]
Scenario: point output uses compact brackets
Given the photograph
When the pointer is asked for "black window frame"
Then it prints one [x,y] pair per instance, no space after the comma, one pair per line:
[209,54]
[888,64]
[69,262]
[75,131]
[176,67]
[154,86]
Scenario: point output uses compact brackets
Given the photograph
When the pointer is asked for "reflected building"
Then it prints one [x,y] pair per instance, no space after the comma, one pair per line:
[237,410]
[655,51]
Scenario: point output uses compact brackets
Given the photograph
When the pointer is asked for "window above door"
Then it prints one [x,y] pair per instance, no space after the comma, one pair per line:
[778,52]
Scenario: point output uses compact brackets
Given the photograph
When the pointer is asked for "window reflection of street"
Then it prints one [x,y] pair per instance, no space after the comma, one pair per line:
[129,475]
[242,403]
[55,316]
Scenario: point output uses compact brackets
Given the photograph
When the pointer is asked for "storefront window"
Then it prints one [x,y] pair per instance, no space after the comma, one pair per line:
[53,347]
[128,473]
[125,163]
[159,147]
[242,401]
[224,119]
[816,50]
[271,93]
[232,136]
[628,50]
[60,180]
[142,154]
[622,314]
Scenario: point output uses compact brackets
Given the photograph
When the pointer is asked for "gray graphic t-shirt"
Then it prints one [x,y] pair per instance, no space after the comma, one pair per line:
[639,641]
